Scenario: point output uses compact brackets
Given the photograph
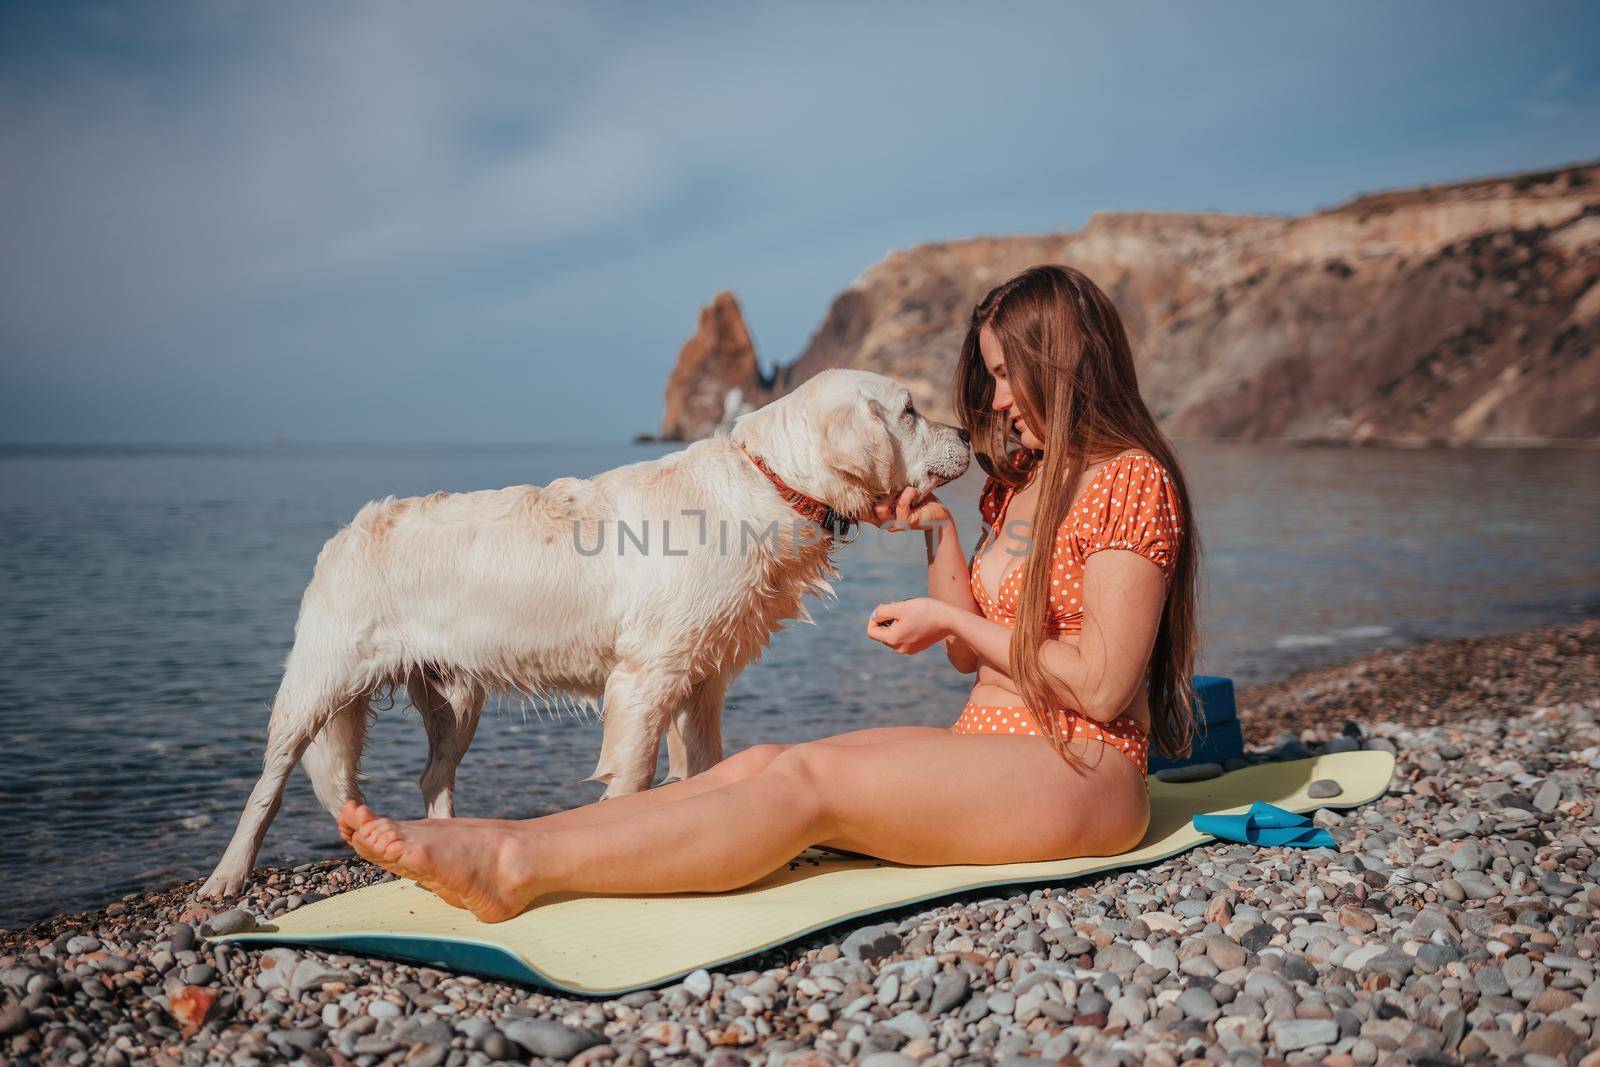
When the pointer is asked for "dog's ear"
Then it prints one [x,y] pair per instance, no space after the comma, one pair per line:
[856,444]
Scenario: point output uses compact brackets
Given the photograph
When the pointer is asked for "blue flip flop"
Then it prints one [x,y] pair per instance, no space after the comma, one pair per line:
[1266,824]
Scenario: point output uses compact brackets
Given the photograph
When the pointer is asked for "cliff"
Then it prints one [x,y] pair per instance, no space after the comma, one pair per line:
[716,376]
[1460,313]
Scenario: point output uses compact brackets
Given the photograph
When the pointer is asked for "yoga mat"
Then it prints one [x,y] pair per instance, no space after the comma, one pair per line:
[613,945]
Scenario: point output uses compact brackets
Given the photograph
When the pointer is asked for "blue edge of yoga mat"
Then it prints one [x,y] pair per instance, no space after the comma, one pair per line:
[1217,736]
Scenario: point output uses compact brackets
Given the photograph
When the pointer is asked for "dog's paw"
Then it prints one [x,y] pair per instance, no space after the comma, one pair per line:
[221,886]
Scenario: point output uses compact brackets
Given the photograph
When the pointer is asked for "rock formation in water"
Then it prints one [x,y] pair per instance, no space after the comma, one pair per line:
[1459,313]
[717,377]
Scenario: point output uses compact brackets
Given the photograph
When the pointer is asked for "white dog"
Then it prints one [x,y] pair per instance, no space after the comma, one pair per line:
[650,586]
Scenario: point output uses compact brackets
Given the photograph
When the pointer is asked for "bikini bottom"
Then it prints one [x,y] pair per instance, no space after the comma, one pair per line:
[1122,733]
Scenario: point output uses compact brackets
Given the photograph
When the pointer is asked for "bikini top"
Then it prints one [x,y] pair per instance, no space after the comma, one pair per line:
[1131,503]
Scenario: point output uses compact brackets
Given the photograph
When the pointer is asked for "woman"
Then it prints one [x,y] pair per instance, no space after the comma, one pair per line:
[1103,625]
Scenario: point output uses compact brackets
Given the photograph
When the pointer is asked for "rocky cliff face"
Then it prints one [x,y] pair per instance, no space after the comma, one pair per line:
[717,376]
[1464,313]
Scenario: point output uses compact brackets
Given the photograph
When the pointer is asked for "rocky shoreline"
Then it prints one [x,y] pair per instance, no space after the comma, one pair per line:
[1456,923]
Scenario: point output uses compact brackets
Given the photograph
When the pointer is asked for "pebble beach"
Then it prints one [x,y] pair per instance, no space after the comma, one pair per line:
[1456,922]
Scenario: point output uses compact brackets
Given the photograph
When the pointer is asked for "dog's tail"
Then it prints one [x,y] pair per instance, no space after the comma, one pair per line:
[333,759]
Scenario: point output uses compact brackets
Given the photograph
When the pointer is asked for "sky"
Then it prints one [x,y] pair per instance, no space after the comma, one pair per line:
[497,222]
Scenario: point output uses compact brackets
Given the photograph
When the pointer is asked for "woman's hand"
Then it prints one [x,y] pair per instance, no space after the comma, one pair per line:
[909,626]
[905,513]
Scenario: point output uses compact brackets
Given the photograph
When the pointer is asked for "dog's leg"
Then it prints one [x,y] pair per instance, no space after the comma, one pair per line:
[677,751]
[611,729]
[638,705]
[694,738]
[333,758]
[323,678]
[290,731]
[450,712]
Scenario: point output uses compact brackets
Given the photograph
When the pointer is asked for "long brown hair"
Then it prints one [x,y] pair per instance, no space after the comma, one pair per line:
[1071,371]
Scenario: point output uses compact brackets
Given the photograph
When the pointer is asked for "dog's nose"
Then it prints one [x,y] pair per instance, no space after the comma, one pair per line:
[966,438]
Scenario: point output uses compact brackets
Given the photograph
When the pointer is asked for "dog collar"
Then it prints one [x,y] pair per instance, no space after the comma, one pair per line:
[807,507]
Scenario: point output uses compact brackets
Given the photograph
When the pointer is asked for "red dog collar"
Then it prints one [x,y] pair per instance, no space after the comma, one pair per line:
[807,507]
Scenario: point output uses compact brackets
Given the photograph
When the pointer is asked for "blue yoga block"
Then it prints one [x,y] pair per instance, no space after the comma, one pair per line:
[1217,735]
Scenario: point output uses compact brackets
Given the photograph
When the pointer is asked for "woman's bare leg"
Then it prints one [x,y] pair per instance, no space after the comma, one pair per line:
[920,796]
[741,764]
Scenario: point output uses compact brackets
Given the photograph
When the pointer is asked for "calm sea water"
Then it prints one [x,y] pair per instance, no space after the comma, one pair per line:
[150,595]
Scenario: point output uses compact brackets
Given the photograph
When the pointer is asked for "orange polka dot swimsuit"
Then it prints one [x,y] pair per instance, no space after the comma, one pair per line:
[1129,504]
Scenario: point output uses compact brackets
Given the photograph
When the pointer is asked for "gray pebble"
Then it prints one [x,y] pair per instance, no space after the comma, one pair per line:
[1558,887]
[311,973]
[423,1030]
[1431,921]
[1077,946]
[1469,856]
[1194,772]
[1027,942]
[911,1024]
[229,922]
[200,974]
[1117,957]
[1491,981]
[887,1059]
[1091,1002]
[426,1055]
[1258,937]
[13,1019]
[1197,1003]
[298,1040]
[698,983]
[1323,789]
[1393,962]
[1299,969]
[383,1009]
[548,1038]
[16,977]
[180,938]
[1292,1034]
[1225,952]
[950,991]
[1438,955]
[872,942]
[1265,985]
[374,1045]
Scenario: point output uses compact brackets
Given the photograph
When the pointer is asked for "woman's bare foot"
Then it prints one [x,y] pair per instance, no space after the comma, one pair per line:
[467,866]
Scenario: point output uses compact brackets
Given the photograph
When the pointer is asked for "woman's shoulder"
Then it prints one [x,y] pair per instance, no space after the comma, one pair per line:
[1112,478]
[1135,459]
[1131,502]
[1132,471]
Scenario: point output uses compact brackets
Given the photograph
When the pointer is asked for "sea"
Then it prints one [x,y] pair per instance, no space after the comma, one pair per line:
[150,597]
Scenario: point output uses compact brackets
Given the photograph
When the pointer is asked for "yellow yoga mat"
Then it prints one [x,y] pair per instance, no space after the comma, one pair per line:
[616,944]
